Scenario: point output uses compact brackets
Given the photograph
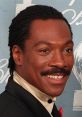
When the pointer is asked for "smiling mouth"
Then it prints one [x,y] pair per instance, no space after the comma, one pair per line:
[55,76]
[55,73]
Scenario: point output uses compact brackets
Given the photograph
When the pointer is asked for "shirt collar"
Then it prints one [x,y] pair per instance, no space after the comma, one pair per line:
[40,96]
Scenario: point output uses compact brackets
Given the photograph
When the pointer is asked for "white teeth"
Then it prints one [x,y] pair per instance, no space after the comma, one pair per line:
[60,77]
[55,77]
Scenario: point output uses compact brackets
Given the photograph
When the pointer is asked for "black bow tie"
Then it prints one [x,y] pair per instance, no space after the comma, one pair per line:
[57,113]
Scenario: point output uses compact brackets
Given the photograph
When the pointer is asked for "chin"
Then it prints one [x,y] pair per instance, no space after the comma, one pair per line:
[56,93]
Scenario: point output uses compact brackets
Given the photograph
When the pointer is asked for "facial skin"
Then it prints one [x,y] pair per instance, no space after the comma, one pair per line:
[48,50]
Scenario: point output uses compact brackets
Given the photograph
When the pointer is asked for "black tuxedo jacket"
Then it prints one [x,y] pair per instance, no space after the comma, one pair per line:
[17,102]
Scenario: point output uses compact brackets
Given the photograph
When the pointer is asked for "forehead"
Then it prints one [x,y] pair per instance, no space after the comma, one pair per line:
[51,30]
[52,24]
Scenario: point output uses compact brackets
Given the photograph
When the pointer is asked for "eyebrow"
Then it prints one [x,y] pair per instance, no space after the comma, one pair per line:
[47,43]
[69,42]
[41,42]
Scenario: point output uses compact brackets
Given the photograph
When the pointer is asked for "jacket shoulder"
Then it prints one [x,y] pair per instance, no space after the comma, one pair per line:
[11,107]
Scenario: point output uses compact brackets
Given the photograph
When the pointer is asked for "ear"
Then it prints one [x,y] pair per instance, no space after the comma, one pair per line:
[17,54]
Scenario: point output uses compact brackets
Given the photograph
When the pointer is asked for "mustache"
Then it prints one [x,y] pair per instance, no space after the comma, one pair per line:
[56,70]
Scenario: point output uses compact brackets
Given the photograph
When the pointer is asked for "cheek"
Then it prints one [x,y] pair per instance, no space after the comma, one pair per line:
[38,61]
[71,62]
[35,62]
[33,66]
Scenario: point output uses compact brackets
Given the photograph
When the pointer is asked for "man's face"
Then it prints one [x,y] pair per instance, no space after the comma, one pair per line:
[48,56]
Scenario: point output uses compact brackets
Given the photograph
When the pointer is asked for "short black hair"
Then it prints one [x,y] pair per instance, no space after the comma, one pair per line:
[20,26]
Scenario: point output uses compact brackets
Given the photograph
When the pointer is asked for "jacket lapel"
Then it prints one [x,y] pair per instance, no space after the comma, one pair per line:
[29,101]
[55,112]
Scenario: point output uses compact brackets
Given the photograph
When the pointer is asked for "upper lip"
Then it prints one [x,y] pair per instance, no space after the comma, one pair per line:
[55,72]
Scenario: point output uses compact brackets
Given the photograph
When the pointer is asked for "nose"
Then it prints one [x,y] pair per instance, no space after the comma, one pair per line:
[57,60]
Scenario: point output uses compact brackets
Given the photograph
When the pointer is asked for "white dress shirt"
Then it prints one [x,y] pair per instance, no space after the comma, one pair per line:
[40,96]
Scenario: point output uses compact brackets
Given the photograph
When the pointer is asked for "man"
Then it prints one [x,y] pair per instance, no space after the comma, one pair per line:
[41,59]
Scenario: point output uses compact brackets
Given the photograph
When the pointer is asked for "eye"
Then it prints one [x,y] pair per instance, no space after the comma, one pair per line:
[69,50]
[44,51]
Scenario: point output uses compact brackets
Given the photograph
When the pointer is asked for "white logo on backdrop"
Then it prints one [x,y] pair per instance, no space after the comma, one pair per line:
[77,69]
[71,2]
[4,73]
[76,17]
[20,7]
